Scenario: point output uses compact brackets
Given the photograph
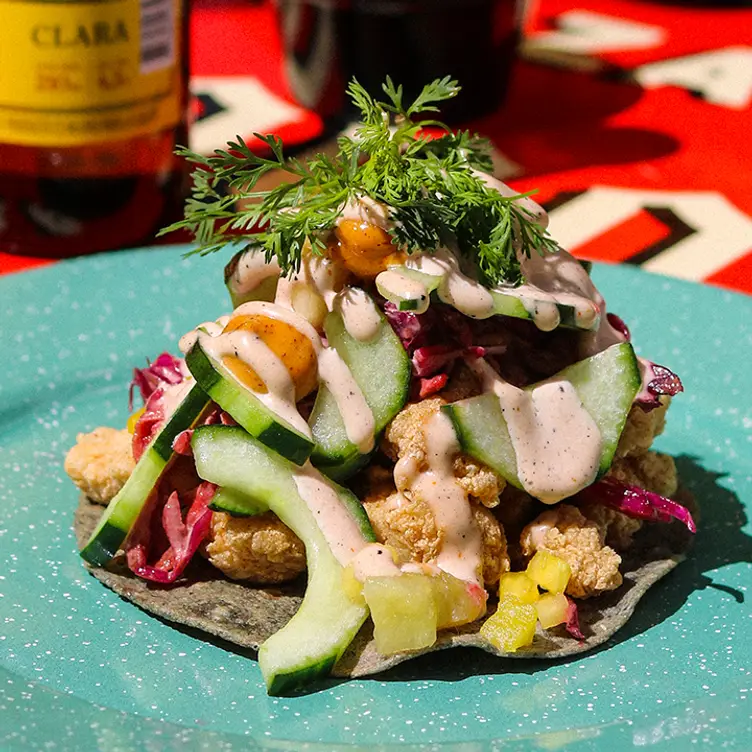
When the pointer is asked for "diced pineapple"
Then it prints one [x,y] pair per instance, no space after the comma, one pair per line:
[519,585]
[403,610]
[512,626]
[552,609]
[457,602]
[352,586]
[549,571]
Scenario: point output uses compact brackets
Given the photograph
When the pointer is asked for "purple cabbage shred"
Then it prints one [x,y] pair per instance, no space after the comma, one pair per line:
[572,624]
[637,502]
[166,369]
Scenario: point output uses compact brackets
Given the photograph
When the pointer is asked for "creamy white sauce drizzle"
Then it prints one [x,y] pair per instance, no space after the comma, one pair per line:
[321,274]
[213,328]
[552,280]
[460,553]
[339,529]
[374,560]
[283,296]
[556,441]
[174,394]
[359,313]
[405,288]
[357,416]
[540,529]
[251,271]
[467,295]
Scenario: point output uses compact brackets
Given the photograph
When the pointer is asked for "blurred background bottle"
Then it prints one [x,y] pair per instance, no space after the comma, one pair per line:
[326,42]
[93,100]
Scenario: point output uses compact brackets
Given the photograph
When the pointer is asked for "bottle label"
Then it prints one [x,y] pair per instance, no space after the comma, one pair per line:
[75,72]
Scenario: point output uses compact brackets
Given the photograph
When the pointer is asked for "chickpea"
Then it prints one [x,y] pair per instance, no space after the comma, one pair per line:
[291,346]
[365,249]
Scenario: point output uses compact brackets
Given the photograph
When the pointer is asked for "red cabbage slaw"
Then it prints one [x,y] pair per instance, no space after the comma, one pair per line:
[166,369]
[657,380]
[637,502]
[164,372]
[162,518]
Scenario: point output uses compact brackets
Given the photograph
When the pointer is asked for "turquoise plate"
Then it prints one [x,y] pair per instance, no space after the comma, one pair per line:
[82,669]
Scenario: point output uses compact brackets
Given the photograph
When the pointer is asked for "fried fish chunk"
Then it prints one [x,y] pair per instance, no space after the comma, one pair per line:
[101,462]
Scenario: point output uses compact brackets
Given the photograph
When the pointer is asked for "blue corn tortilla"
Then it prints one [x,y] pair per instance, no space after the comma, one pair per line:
[247,615]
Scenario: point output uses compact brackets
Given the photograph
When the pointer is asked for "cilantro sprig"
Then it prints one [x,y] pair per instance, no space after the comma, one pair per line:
[432,186]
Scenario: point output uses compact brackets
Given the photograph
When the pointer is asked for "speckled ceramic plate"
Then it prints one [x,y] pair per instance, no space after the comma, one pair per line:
[82,669]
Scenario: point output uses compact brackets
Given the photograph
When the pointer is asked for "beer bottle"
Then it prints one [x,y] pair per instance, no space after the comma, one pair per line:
[93,100]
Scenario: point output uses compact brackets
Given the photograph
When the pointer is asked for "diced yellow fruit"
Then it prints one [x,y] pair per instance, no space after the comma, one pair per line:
[512,626]
[403,610]
[549,571]
[131,424]
[352,586]
[519,585]
[457,602]
[552,609]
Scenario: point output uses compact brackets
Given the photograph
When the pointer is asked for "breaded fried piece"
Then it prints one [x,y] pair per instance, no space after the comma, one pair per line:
[101,462]
[260,549]
[641,428]
[495,561]
[404,437]
[408,526]
[566,533]
[618,528]
[405,524]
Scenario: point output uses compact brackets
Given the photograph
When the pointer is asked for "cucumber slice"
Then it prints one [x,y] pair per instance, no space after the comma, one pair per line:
[606,384]
[521,308]
[381,369]
[123,510]
[246,408]
[417,298]
[411,297]
[236,504]
[327,621]
[267,287]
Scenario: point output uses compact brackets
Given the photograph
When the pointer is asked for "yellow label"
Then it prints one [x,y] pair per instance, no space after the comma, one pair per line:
[73,72]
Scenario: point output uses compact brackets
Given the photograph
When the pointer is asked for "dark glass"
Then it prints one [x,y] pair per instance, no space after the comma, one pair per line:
[60,202]
[328,42]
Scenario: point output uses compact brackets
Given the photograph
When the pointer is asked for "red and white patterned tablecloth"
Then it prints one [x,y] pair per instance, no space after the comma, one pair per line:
[631,119]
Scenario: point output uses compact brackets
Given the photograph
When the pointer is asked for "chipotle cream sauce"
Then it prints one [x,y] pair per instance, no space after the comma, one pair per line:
[552,280]
[359,313]
[357,416]
[437,486]
[251,270]
[339,528]
[556,442]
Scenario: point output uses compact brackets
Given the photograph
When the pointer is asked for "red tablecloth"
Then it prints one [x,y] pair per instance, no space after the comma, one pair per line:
[632,119]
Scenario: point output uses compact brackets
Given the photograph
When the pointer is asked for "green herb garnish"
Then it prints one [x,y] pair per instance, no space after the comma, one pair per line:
[435,195]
